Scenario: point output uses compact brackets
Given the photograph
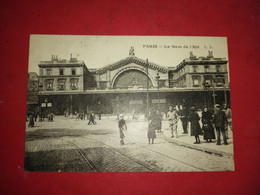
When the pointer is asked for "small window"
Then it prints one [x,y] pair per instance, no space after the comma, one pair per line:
[73,71]
[48,72]
[61,72]
[206,68]
[195,68]
[196,81]
[218,68]
[74,84]
[62,85]
[49,85]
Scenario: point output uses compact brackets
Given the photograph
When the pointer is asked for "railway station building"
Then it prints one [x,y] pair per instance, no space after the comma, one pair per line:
[132,84]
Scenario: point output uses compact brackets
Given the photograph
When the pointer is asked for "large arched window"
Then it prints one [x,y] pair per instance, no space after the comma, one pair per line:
[132,79]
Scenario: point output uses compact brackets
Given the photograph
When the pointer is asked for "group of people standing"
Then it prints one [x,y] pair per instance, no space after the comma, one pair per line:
[220,119]
[32,116]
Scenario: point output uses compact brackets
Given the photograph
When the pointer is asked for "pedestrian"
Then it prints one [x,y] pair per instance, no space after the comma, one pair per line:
[220,122]
[227,111]
[99,115]
[92,119]
[207,126]
[173,120]
[151,135]
[195,129]
[122,128]
[35,115]
[31,120]
[184,113]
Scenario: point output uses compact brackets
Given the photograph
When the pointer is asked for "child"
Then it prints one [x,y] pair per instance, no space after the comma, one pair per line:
[122,127]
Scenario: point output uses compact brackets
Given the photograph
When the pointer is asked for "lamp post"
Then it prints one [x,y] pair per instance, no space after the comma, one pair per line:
[147,91]
[214,94]
[225,94]
[206,87]
[40,89]
[158,94]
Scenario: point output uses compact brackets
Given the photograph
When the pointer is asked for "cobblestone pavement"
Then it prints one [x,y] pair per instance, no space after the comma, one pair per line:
[69,145]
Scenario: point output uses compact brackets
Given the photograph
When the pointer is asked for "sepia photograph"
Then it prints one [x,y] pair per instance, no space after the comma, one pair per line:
[128,104]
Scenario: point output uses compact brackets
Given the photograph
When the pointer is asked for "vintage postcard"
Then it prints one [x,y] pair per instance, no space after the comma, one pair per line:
[128,104]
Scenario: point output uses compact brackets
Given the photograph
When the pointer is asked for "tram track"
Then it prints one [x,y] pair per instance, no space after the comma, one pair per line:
[177,160]
[118,151]
[83,156]
[88,161]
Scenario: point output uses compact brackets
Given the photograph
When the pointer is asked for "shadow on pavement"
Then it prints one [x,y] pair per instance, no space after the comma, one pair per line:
[41,134]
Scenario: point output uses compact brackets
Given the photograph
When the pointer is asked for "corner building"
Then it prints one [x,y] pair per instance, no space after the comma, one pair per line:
[121,87]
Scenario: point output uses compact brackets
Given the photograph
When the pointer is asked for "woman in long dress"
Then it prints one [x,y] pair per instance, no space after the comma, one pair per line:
[207,126]
[195,126]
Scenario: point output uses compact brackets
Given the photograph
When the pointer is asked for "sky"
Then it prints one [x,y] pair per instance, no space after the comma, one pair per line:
[99,51]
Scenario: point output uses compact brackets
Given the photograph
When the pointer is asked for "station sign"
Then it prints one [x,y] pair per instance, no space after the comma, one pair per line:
[161,101]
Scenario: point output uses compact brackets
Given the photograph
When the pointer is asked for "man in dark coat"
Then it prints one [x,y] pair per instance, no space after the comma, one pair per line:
[195,129]
[220,122]
[184,113]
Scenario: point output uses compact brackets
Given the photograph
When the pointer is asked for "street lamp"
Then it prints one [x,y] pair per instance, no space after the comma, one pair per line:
[206,87]
[40,89]
[158,77]
[214,94]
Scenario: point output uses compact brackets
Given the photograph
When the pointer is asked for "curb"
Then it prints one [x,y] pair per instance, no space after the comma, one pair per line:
[200,148]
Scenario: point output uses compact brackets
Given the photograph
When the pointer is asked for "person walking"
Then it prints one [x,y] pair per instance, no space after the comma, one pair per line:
[31,120]
[173,120]
[151,135]
[92,119]
[122,128]
[184,119]
[227,111]
[207,126]
[220,121]
[194,125]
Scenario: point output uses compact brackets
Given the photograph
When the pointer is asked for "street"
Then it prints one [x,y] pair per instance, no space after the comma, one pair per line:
[67,145]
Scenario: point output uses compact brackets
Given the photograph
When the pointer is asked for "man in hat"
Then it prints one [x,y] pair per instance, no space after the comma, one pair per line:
[173,120]
[220,122]
[184,113]
[122,128]
[229,118]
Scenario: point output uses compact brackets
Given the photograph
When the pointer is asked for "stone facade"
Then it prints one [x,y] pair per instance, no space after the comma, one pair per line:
[122,85]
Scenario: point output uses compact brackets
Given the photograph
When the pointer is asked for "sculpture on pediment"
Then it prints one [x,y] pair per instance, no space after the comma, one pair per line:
[132,51]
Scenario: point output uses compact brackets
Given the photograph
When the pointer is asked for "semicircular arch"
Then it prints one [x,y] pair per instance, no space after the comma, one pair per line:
[130,76]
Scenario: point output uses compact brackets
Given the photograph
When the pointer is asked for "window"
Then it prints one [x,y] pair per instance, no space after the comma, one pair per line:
[49,85]
[196,81]
[103,85]
[73,71]
[208,80]
[48,72]
[206,68]
[74,84]
[62,84]
[195,68]
[220,81]
[161,83]
[61,71]
[218,68]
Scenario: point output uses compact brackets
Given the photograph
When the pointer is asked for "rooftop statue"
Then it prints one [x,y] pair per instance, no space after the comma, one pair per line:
[132,51]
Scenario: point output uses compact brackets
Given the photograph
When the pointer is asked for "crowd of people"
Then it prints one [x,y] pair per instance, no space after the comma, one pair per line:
[41,115]
[219,120]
